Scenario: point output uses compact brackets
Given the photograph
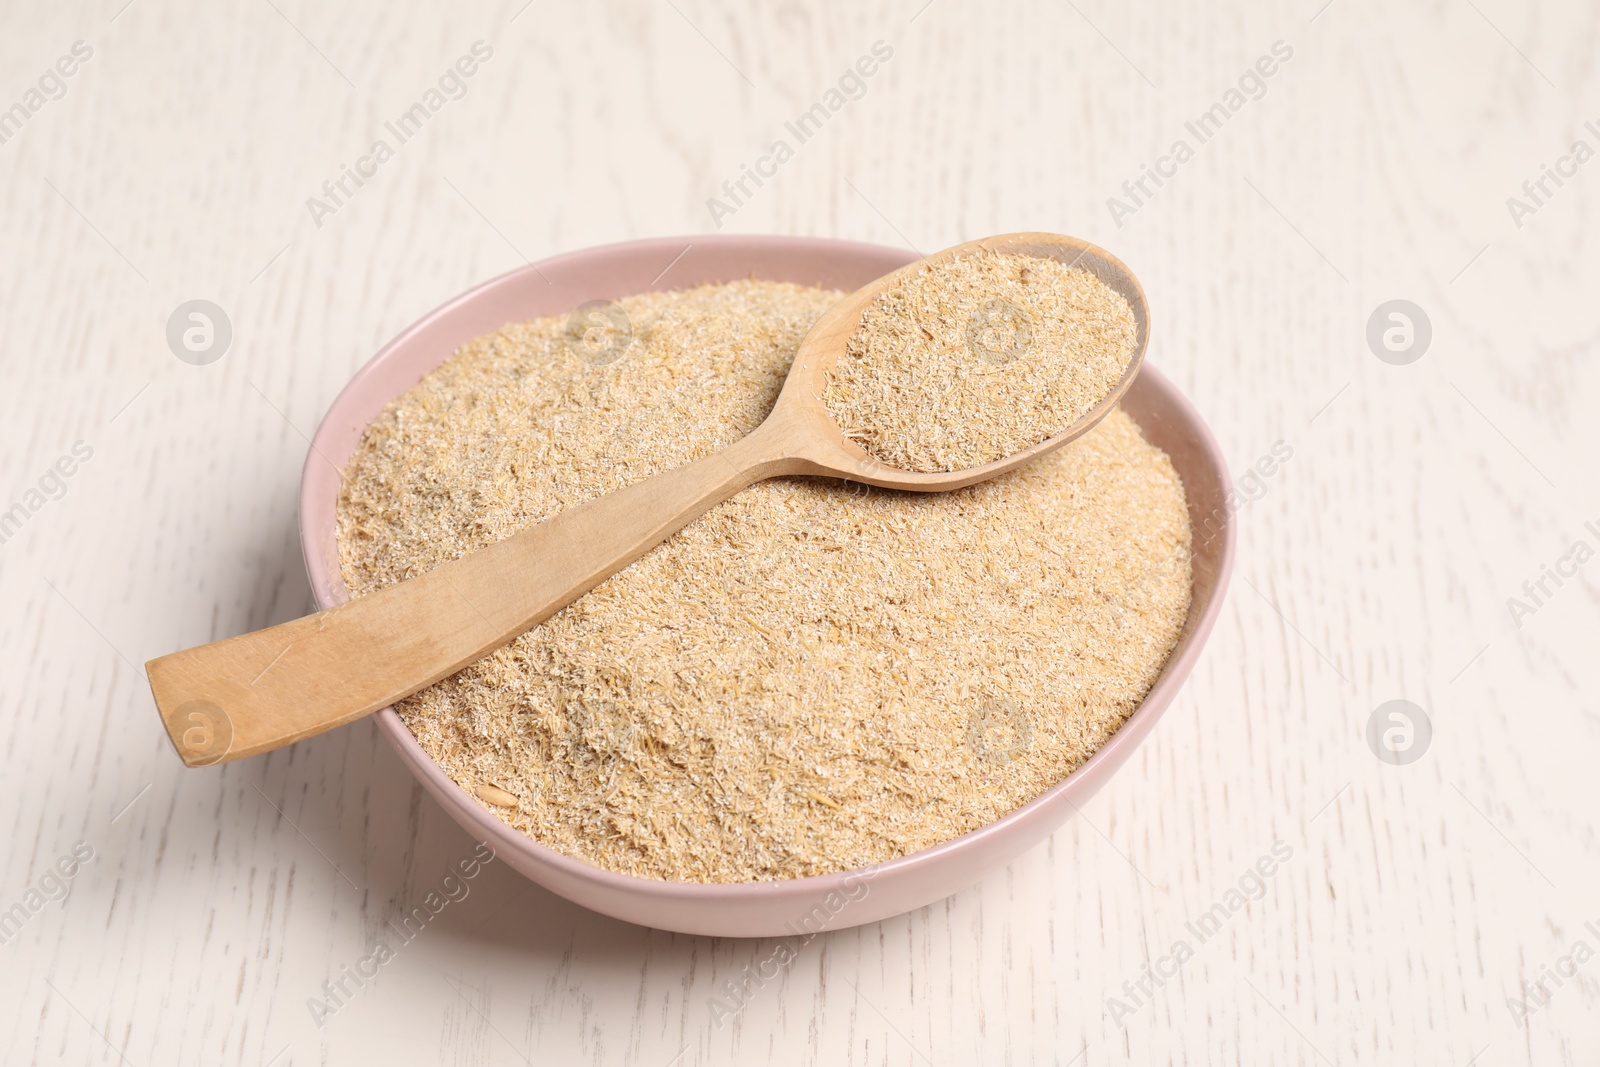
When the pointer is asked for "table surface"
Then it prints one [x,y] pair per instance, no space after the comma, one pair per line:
[1429,537]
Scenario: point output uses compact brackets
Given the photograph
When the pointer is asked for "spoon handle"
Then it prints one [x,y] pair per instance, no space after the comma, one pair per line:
[263,690]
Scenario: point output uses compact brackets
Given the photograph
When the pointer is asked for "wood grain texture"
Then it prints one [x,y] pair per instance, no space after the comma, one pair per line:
[1376,561]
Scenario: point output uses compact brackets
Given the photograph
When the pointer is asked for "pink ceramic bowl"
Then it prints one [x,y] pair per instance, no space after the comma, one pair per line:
[758,909]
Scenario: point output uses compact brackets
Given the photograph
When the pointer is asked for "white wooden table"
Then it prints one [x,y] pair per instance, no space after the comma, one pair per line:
[1376,562]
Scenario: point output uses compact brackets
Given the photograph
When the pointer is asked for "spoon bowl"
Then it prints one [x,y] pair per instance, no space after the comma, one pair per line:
[821,442]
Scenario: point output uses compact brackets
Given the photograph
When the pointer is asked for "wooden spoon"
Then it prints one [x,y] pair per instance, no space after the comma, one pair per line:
[267,689]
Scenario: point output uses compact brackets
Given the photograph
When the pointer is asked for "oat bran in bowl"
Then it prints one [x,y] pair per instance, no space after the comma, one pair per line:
[708,873]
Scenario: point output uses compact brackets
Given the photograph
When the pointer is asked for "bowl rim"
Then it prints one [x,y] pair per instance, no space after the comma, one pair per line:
[328,589]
